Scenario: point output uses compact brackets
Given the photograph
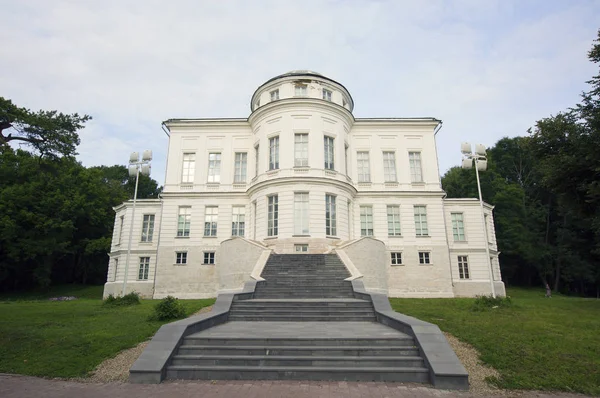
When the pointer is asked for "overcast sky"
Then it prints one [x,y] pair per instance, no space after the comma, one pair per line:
[487,68]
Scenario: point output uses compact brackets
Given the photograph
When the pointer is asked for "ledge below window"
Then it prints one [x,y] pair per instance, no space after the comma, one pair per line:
[182,237]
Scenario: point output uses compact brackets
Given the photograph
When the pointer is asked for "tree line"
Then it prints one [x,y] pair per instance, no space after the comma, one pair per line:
[546,190]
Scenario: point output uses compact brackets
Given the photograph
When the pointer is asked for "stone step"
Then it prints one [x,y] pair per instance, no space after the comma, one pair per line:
[391,374]
[294,305]
[303,311]
[298,350]
[392,342]
[302,295]
[280,360]
[303,318]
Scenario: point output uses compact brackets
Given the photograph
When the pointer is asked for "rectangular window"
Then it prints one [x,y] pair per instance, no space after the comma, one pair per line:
[328,147]
[122,221]
[396,258]
[366,221]
[326,94]
[144,268]
[275,95]
[238,223]
[389,166]
[241,160]
[300,90]
[147,227]
[301,150]
[256,160]
[424,258]
[116,269]
[272,215]
[214,167]
[189,164]
[421,221]
[183,221]
[211,214]
[458,226]
[463,267]
[301,213]
[209,257]
[393,218]
[274,153]
[301,248]
[330,216]
[364,172]
[416,174]
[181,258]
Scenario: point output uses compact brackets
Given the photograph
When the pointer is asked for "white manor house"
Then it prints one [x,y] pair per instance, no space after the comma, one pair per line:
[301,174]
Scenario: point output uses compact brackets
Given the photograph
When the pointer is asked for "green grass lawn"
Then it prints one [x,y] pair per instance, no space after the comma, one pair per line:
[70,338]
[538,343]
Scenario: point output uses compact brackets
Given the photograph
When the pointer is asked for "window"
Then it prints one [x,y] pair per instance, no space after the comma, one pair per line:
[241,159]
[274,153]
[389,166]
[421,221]
[301,248]
[328,146]
[366,221]
[330,216]
[463,267]
[300,90]
[326,94]
[272,215]
[396,258]
[458,227]
[424,258]
[144,268]
[257,104]
[238,223]
[209,257]
[301,150]
[344,102]
[183,221]
[362,159]
[487,230]
[301,213]
[346,159]
[181,258]
[211,214]
[214,167]
[393,218]
[122,218]
[189,163]
[256,161]
[147,227]
[415,167]
[275,95]
[116,269]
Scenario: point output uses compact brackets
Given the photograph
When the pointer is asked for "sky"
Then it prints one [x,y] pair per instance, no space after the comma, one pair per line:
[486,68]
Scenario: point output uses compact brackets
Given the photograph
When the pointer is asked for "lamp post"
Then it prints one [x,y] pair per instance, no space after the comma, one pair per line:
[480,159]
[136,166]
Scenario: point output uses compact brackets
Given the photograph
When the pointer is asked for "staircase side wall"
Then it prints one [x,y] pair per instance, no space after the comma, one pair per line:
[370,257]
[237,258]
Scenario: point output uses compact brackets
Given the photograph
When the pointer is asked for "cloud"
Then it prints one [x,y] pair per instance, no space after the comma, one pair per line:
[488,69]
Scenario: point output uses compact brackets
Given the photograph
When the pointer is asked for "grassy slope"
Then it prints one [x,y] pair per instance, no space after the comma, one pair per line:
[70,338]
[539,343]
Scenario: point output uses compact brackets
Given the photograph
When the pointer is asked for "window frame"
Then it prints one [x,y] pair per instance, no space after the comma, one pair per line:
[301,147]
[301,213]
[463,267]
[421,225]
[181,257]
[274,153]
[329,152]
[368,220]
[211,221]
[240,167]
[208,257]
[456,228]
[147,228]
[238,227]
[416,167]
[214,168]
[186,212]
[300,90]
[396,258]
[144,268]
[330,215]
[188,167]
[301,246]
[425,257]
[363,166]
[395,220]
[389,167]
[272,215]
[274,95]
[327,94]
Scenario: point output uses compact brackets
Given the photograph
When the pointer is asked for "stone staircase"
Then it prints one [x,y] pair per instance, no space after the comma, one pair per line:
[302,324]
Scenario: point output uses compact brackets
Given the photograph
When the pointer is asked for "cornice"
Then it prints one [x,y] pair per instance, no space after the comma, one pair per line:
[296,102]
[301,180]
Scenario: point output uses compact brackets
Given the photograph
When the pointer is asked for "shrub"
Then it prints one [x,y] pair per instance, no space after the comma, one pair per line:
[485,303]
[168,308]
[132,298]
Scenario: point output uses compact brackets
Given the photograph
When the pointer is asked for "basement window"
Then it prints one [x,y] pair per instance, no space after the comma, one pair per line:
[301,248]
[396,258]
[424,258]
[209,257]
